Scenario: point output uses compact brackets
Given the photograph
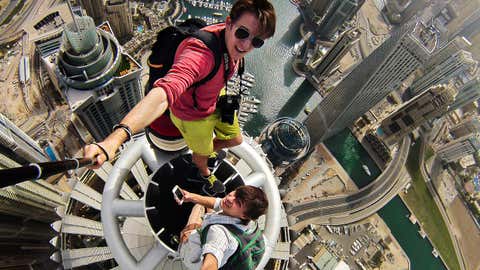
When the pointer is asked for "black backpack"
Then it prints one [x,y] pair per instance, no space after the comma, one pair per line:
[163,50]
[251,247]
[161,60]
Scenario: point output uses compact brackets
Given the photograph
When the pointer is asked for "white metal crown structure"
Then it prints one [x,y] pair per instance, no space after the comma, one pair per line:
[259,174]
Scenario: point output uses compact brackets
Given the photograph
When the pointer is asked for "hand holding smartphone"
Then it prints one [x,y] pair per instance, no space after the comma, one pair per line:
[177,194]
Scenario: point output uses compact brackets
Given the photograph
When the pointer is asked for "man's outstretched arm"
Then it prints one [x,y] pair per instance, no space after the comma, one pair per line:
[152,106]
[206,201]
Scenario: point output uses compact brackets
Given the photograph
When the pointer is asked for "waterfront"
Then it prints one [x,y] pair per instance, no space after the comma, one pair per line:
[349,153]
[419,250]
[284,94]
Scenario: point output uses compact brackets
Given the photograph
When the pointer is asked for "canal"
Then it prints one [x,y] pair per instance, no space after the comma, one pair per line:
[350,154]
[283,93]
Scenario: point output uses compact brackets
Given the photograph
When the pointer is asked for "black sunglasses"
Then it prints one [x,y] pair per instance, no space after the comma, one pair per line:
[242,33]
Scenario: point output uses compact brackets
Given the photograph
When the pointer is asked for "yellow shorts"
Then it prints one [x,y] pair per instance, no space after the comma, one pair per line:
[198,134]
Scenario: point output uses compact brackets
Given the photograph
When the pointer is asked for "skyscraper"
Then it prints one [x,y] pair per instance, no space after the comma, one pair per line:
[17,145]
[442,54]
[427,105]
[466,94]
[466,127]
[119,17]
[101,83]
[338,12]
[459,148]
[380,73]
[26,209]
[319,6]
[95,9]
[461,18]
[325,18]
[443,72]
[331,59]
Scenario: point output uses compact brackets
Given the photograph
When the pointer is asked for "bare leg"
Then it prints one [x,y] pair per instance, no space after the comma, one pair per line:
[220,144]
[201,163]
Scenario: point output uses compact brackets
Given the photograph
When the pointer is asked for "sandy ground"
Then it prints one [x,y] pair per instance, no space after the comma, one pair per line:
[318,177]
[467,233]
[462,225]
[3,4]
[26,107]
[400,261]
[321,175]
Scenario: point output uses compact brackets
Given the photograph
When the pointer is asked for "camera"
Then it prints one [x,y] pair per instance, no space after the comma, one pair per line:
[228,104]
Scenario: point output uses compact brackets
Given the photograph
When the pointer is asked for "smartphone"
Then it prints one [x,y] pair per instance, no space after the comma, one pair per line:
[177,194]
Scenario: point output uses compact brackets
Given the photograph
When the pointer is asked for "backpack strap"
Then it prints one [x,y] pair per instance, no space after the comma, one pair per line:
[214,45]
[203,234]
[245,241]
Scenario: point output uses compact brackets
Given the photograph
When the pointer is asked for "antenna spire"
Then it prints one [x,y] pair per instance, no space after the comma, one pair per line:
[77,28]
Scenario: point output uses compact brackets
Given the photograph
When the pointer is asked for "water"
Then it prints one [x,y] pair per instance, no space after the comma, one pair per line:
[419,250]
[350,154]
[283,93]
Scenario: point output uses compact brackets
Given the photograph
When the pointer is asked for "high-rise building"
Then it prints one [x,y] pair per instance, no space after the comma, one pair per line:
[331,59]
[17,145]
[26,212]
[95,9]
[443,72]
[459,148]
[428,105]
[101,83]
[466,94]
[119,17]
[285,141]
[325,18]
[400,11]
[461,18]
[470,109]
[442,54]
[319,6]
[338,12]
[466,127]
[371,81]
[26,209]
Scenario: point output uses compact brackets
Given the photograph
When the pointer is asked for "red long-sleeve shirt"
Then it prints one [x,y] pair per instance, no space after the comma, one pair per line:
[193,62]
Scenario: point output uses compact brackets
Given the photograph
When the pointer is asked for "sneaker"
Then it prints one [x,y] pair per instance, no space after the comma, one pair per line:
[215,159]
[214,186]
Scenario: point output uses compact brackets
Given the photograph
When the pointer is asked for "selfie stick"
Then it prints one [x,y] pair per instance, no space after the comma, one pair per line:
[34,171]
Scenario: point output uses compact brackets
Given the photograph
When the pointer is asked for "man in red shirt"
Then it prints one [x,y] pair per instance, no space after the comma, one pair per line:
[250,22]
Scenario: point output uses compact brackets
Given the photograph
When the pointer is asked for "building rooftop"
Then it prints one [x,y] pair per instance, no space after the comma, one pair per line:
[426,36]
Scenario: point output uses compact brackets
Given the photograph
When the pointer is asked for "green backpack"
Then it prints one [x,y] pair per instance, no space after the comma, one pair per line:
[251,247]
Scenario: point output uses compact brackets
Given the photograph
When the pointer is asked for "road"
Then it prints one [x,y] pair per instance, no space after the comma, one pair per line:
[11,5]
[354,207]
[14,29]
